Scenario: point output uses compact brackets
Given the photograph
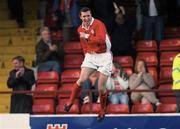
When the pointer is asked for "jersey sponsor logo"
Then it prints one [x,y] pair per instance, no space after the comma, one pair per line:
[57,126]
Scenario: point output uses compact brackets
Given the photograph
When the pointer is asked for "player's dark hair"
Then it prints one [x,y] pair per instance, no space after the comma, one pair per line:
[19,58]
[84,9]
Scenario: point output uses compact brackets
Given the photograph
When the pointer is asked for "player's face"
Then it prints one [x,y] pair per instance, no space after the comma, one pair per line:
[17,64]
[86,18]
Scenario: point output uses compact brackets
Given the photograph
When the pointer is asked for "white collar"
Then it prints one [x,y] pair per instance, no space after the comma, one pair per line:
[92,20]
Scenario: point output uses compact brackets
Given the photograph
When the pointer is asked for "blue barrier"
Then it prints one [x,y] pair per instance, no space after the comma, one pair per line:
[131,121]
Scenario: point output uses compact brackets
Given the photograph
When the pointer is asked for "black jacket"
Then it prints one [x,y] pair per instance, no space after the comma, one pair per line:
[21,103]
[160,6]
[43,53]
[22,83]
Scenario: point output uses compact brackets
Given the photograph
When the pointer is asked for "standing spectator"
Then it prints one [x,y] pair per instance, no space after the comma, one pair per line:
[138,15]
[103,10]
[47,53]
[176,79]
[142,80]
[153,12]
[16,11]
[120,35]
[20,79]
[118,81]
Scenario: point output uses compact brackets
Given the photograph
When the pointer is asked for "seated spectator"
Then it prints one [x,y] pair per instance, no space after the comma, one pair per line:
[20,79]
[90,84]
[142,80]
[47,53]
[118,81]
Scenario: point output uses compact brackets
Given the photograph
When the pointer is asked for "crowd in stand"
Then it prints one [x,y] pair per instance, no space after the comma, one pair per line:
[121,22]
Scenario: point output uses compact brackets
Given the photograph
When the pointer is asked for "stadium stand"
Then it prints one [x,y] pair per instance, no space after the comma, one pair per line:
[21,41]
[44,106]
[16,41]
[118,109]
[142,108]
[146,46]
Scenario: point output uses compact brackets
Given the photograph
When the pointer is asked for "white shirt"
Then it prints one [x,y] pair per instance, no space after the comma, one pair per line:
[152,8]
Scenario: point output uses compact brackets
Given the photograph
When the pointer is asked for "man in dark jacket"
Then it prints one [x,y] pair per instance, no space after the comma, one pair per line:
[47,53]
[153,12]
[21,79]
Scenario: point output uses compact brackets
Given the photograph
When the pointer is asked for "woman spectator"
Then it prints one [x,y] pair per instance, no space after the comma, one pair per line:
[117,81]
[142,80]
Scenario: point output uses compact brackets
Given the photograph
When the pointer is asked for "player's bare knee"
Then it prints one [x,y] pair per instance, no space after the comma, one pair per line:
[81,81]
[102,91]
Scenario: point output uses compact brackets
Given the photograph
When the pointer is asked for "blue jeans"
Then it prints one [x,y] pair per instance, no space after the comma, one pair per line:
[49,66]
[88,86]
[119,98]
[153,24]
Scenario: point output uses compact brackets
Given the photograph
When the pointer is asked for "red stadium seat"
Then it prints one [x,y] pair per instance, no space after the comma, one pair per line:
[70,76]
[166,108]
[90,108]
[66,89]
[146,46]
[124,61]
[170,45]
[43,106]
[142,108]
[74,109]
[172,32]
[57,35]
[168,100]
[62,101]
[149,57]
[165,87]
[167,58]
[166,75]
[153,72]
[73,48]
[129,71]
[46,87]
[118,109]
[73,61]
[48,77]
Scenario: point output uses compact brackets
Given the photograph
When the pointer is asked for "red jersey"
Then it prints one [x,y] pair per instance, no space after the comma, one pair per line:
[97,39]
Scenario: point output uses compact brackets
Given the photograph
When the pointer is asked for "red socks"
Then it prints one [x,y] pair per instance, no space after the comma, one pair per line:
[103,99]
[75,92]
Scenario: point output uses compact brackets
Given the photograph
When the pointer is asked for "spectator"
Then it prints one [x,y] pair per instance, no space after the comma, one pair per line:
[176,79]
[20,79]
[57,15]
[47,53]
[138,15]
[103,10]
[16,11]
[142,80]
[90,84]
[121,36]
[118,81]
[153,12]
